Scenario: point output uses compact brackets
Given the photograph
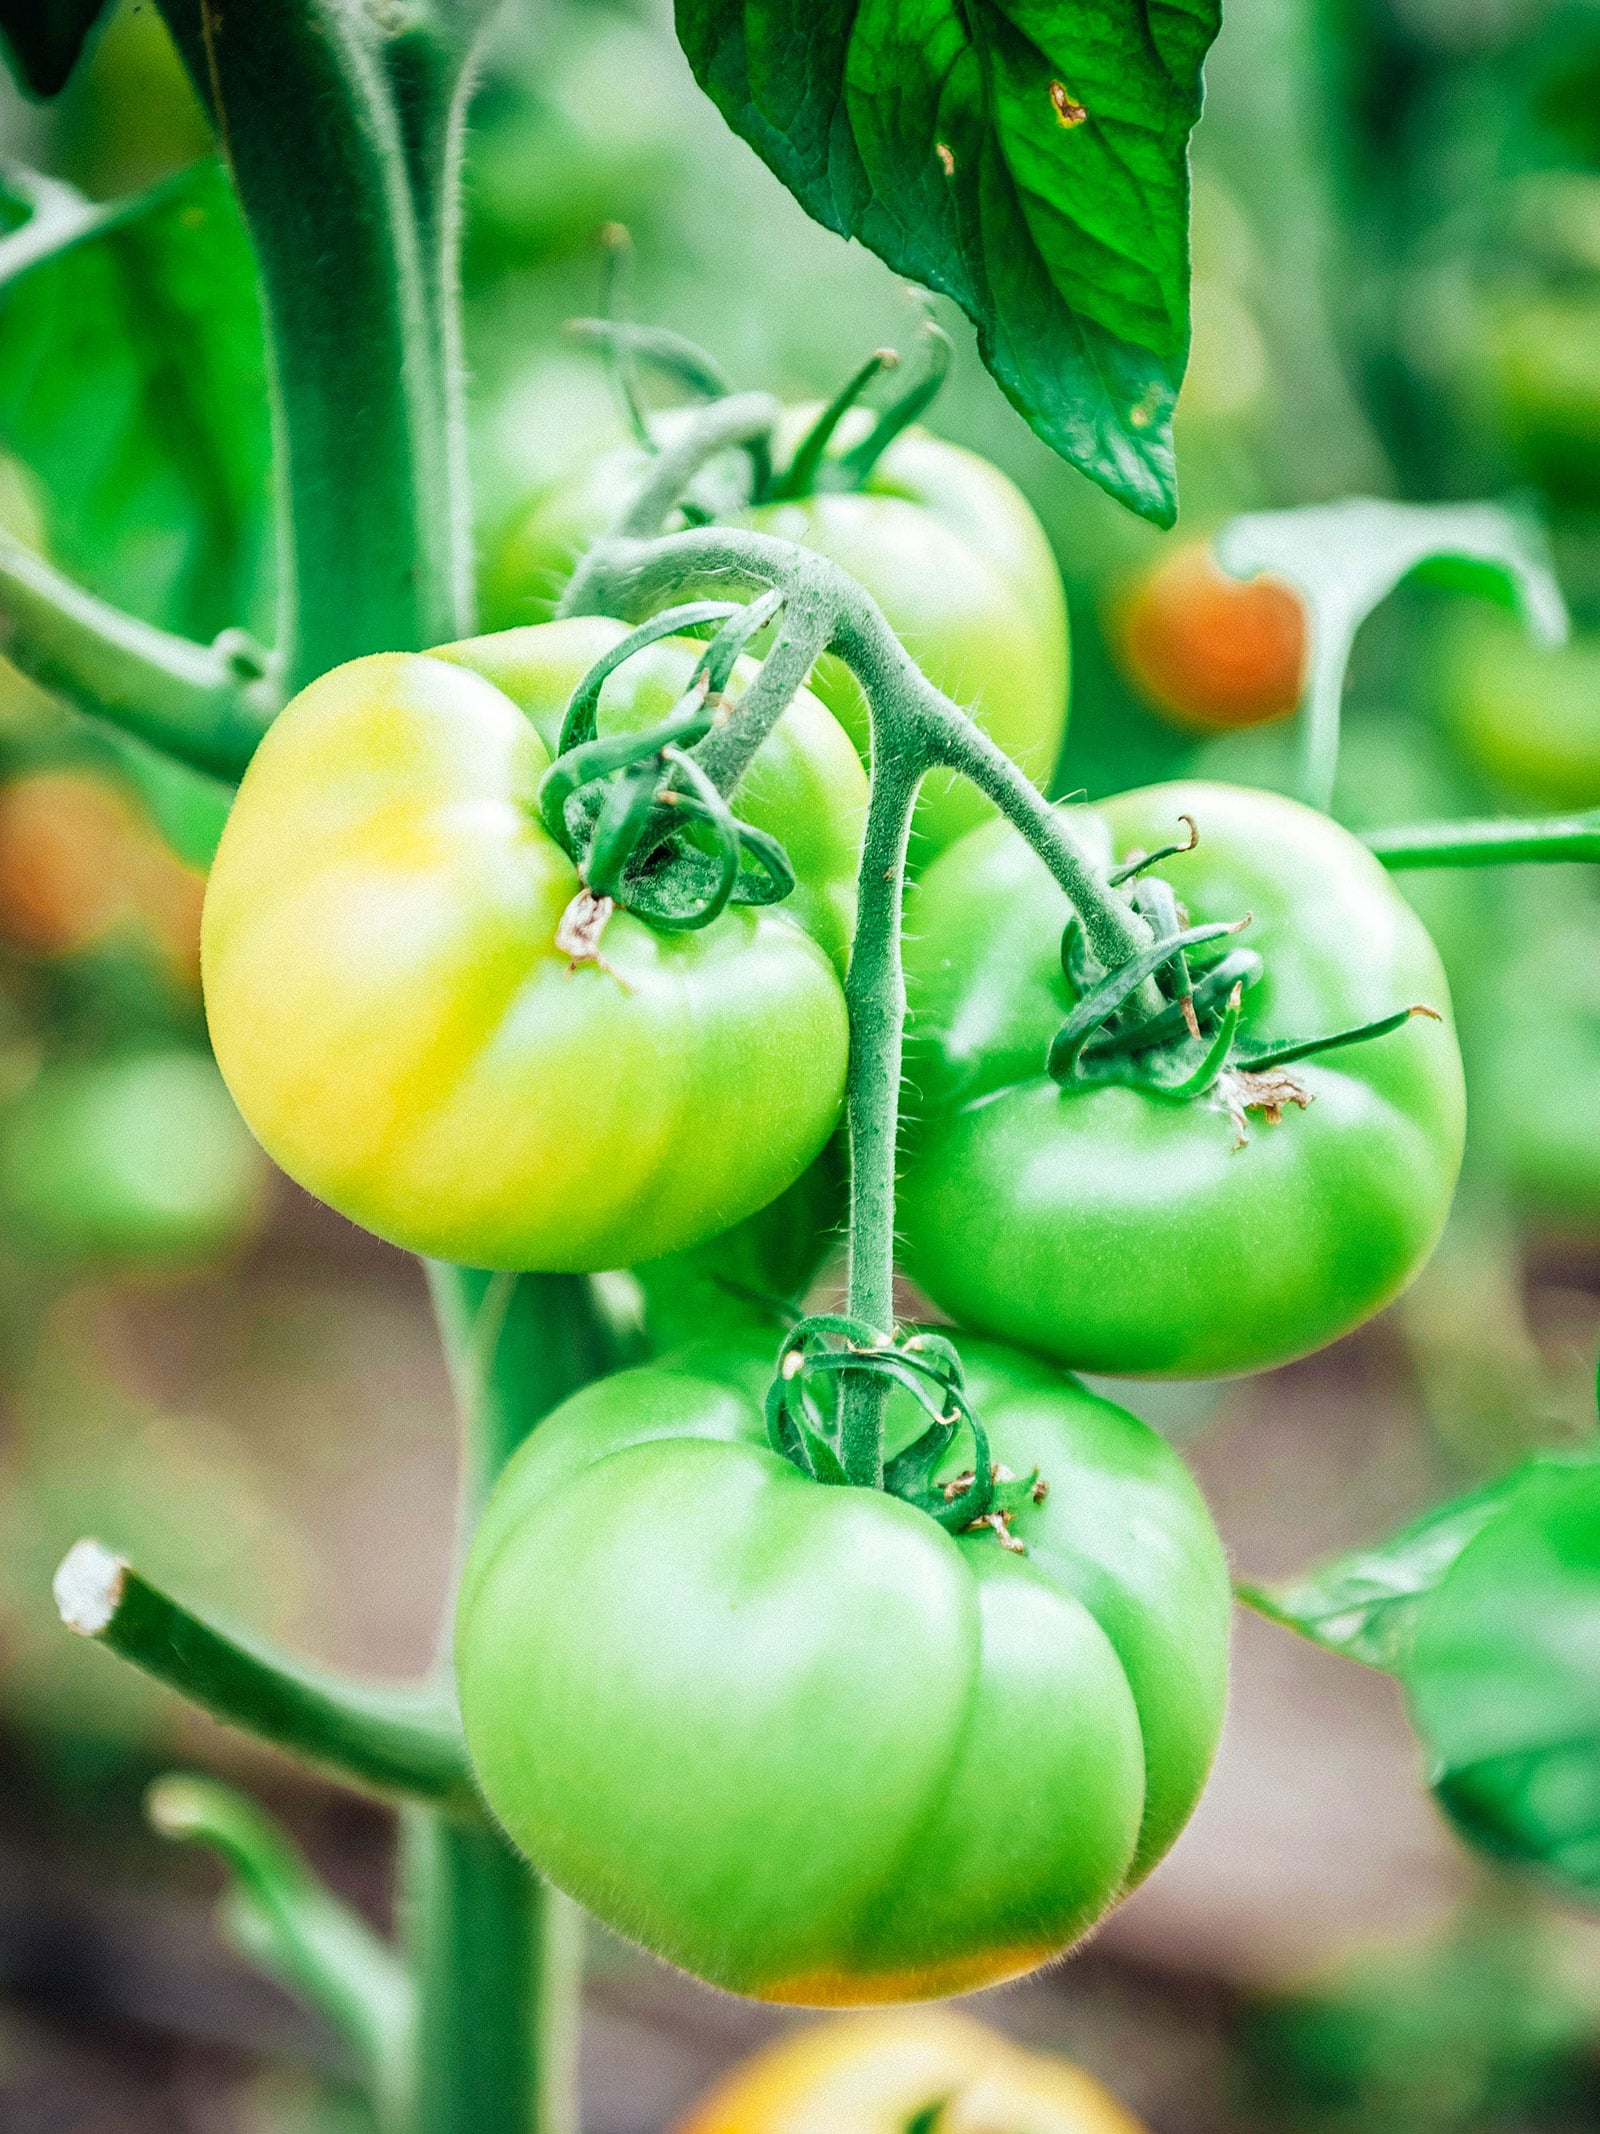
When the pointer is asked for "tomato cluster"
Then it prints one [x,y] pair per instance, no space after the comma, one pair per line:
[497,969]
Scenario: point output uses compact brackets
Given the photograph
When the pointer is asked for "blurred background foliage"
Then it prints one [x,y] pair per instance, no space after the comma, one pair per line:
[1397,290]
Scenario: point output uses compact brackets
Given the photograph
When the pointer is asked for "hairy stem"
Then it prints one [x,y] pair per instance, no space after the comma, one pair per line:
[388,1740]
[633,578]
[876,994]
[354,243]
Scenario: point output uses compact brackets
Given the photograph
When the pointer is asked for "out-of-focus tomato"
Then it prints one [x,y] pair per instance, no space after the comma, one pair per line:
[1211,652]
[921,2068]
[1527,715]
[1544,358]
[78,863]
[134,1162]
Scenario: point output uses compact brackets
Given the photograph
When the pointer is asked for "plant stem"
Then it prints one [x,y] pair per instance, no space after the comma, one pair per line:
[357,284]
[875,992]
[496,1950]
[633,578]
[205,704]
[389,1740]
[1487,844]
[282,1917]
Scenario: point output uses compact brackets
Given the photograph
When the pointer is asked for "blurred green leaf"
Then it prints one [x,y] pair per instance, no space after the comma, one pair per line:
[44,37]
[1503,1679]
[1028,159]
[1488,1613]
[1364,1605]
[133,385]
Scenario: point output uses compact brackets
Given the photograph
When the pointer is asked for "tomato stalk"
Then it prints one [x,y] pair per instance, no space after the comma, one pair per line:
[1492,843]
[914,729]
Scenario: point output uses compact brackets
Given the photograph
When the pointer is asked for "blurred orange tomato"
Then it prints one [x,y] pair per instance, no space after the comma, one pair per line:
[78,863]
[916,2068]
[1208,651]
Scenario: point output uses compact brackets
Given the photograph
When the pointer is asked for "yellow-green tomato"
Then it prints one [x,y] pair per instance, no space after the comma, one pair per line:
[1527,715]
[801,1741]
[882,2074]
[946,545]
[396,1022]
[1122,1230]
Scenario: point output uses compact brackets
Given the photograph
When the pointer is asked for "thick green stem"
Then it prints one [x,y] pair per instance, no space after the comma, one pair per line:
[497,1952]
[498,1962]
[389,1740]
[1487,844]
[354,237]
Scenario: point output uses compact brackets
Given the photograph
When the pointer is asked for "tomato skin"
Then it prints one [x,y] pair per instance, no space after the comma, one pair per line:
[873,2074]
[129,1163]
[1123,1232]
[401,1033]
[1527,715]
[802,1742]
[1208,651]
[946,545]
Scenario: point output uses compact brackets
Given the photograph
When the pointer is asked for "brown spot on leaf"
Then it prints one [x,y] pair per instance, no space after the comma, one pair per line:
[1067,108]
[946,155]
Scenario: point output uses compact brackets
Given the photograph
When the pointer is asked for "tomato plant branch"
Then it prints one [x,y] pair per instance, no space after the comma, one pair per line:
[208,705]
[633,578]
[382,1739]
[1490,843]
[484,1929]
[280,1916]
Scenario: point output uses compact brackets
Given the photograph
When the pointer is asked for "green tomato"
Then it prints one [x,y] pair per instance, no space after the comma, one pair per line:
[1544,361]
[1527,715]
[138,1161]
[1532,1027]
[1123,1231]
[945,544]
[803,1742]
[396,1023]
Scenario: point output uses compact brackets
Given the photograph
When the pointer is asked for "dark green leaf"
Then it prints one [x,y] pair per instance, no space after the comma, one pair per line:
[1503,1678]
[44,37]
[133,385]
[1025,157]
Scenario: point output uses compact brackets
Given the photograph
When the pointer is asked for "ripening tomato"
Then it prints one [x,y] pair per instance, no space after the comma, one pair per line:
[924,2068]
[800,1740]
[396,1021]
[1124,1230]
[1208,651]
[78,863]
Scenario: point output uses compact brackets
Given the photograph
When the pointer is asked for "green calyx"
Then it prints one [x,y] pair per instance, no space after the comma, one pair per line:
[805,1421]
[642,821]
[1190,1048]
[812,467]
